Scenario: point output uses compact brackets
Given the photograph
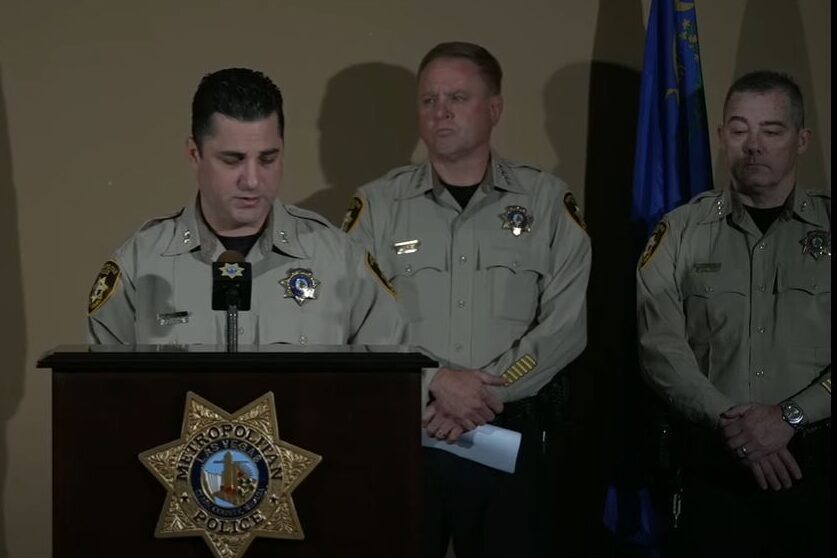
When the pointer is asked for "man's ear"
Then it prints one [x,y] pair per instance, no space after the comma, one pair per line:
[193,152]
[803,140]
[495,106]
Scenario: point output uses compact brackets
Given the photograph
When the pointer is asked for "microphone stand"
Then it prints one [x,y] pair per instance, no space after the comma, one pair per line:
[232,320]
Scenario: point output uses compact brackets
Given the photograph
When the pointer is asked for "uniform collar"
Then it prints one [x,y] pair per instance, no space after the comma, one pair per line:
[499,176]
[798,205]
[192,233]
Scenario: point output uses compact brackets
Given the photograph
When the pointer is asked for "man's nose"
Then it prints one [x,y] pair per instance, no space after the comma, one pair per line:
[752,143]
[250,176]
[443,111]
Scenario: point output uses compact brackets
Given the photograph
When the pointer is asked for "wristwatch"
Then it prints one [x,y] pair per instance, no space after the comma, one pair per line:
[793,414]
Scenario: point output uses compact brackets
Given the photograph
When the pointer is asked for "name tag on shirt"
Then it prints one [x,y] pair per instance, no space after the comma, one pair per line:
[406,247]
[709,267]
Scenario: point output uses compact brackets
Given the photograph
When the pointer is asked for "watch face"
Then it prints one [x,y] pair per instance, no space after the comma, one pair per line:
[793,414]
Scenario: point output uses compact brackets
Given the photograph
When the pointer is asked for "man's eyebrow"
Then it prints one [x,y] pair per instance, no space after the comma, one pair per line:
[272,151]
[738,119]
[773,123]
[235,154]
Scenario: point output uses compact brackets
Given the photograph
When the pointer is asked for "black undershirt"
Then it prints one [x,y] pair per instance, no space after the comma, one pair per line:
[462,194]
[241,244]
[764,216]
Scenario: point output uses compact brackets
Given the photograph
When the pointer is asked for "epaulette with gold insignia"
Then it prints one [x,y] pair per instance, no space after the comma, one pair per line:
[376,271]
[104,286]
[519,369]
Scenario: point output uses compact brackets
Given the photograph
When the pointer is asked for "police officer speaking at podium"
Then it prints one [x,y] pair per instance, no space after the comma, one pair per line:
[310,283]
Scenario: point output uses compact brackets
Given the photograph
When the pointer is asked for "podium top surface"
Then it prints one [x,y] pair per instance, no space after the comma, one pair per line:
[255,357]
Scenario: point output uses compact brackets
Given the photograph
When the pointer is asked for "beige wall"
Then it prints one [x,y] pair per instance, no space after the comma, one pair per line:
[94,107]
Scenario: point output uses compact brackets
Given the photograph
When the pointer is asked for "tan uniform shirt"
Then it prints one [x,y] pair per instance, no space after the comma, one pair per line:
[161,287]
[475,294]
[729,316]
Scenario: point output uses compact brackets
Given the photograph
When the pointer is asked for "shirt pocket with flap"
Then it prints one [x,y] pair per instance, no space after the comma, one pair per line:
[803,304]
[716,304]
[421,278]
[513,277]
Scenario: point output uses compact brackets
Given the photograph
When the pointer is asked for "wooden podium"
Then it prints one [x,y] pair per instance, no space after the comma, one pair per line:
[357,407]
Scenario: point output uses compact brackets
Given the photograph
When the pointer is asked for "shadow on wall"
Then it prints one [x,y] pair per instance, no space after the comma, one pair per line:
[367,126]
[606,391]
[773,38]
[13,332]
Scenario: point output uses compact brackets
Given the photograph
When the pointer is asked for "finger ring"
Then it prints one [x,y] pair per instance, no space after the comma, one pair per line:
[744,450]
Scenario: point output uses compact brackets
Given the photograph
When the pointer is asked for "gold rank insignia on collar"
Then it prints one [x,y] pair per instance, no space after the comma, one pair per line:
[229,477]
[817,243]
[300,285]
[516,219]
[104,286]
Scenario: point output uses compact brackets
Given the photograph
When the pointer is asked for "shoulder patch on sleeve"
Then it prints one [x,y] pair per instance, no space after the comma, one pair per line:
[104,286]
[376,271]
[573,210]
[653,243]
[353,214]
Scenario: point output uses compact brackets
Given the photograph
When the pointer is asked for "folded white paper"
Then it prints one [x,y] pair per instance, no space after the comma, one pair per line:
[489,445]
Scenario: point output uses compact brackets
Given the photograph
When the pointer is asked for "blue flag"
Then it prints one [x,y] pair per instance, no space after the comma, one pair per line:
[672,162]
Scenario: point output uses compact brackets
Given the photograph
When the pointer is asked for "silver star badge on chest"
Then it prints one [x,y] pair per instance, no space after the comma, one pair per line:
[516,219]
[817,243]
[300,285]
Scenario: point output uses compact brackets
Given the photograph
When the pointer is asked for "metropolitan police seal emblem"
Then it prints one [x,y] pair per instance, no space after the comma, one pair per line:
[517,220]
[229,477]
[300,285]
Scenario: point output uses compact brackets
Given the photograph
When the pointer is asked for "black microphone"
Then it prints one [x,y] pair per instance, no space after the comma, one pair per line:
[232,282]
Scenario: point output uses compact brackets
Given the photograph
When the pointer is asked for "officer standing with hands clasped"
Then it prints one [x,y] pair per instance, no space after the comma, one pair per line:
[491,262]
[734,295]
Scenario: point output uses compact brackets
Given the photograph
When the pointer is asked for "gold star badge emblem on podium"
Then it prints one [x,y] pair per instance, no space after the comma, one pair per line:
[229,477]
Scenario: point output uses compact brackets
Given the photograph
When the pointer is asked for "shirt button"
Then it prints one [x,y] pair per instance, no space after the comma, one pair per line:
[762,246]
[457,347]
[760,373]
[241,331]
[460,303]
[761,330]
[462,259]
[303,340]
[408,268]
[515,264]
[708,289]
[762,287]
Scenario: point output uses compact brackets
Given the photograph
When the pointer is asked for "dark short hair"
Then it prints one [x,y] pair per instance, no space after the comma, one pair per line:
[489,67]
[763,81]
[239,93]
